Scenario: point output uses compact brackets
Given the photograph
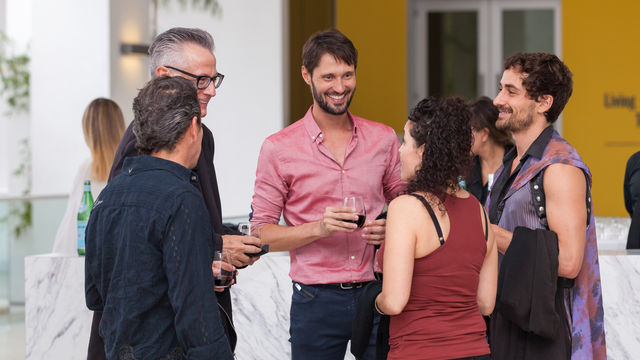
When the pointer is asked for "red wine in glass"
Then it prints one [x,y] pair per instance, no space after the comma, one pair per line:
[224,279]
[356,203]
[359,222]
[222,276]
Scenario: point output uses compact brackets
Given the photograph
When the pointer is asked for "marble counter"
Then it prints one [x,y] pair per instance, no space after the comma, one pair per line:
[620,277]
[58,323]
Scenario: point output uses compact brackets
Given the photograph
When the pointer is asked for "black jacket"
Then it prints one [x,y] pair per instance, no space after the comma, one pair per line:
[363,324]
[530,321]
[631,190]
[209,187]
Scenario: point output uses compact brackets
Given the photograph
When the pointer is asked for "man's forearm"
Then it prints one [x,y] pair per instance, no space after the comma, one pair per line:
[285,238]
[503,238]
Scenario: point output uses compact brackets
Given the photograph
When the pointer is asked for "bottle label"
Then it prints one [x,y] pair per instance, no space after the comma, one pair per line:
[82,225]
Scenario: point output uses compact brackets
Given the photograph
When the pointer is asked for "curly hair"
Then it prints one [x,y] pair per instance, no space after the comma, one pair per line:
[545,74]
[442,125]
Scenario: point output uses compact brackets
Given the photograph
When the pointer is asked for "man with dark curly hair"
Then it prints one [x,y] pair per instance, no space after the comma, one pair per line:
[304,172]
[544,184]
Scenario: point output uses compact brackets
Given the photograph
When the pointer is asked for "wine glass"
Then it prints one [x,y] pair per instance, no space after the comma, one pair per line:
[357,204]
[222,268]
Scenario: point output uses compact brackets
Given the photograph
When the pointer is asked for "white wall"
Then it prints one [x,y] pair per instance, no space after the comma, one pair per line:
[14,127]
[70,67]
[129,24]
[4,136]
[75,51]
[249,105]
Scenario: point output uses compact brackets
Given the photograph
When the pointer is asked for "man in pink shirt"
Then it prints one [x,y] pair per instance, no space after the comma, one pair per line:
[304,172]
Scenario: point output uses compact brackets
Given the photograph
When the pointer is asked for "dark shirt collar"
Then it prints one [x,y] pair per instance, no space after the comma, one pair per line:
[536,149]
[133,165]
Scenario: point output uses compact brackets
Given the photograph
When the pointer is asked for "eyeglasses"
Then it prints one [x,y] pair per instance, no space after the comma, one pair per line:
[202,82]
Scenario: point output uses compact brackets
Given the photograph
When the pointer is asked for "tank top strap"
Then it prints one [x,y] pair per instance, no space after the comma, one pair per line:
[433,216]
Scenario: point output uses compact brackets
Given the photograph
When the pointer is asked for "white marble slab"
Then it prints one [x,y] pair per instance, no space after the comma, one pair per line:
[620,276]
[57,320]
[261,304]
[261,301]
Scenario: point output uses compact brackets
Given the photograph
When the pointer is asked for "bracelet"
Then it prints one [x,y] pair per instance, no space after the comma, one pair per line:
[375,305]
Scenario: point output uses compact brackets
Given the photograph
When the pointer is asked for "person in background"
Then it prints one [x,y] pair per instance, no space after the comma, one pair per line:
[440,263]
[304,172]
[148,266]
[631,191]
[489,146]
[103,126]
[543,184]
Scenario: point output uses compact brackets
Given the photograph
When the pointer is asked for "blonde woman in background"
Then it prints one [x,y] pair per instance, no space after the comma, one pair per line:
[103,126]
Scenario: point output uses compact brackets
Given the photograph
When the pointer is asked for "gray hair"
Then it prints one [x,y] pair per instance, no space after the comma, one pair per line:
[163,111]
[167,47]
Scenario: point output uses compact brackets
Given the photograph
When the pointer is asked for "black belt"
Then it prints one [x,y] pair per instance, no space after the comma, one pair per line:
[344,285]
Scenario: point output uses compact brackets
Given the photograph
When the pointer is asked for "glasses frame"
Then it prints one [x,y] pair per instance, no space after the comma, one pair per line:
[209,78]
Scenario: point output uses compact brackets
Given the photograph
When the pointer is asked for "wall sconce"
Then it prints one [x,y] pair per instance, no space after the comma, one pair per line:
[137,49]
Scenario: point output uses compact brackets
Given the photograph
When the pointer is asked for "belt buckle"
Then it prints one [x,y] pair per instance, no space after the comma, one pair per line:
[350,285]
[347,286]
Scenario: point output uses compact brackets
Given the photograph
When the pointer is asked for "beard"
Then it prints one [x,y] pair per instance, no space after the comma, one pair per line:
[515,123]
[329,108]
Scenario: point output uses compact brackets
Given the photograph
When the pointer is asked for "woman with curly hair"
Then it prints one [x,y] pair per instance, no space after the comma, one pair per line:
[440,264]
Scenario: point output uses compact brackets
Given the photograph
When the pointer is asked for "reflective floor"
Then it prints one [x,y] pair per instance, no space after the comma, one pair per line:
[12,334]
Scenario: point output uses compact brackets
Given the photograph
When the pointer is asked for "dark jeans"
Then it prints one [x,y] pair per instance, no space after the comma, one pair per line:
[321,321]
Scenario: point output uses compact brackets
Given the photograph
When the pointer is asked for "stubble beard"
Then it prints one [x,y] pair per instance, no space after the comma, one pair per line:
[324,104]
[515,124]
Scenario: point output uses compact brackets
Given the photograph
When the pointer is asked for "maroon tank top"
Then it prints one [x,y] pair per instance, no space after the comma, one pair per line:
[441,319]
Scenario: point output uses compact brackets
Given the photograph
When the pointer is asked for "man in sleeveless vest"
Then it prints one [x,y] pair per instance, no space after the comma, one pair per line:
[544,184]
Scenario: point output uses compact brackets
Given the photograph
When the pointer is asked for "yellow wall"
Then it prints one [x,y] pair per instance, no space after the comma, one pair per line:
[378,30]
[600,47]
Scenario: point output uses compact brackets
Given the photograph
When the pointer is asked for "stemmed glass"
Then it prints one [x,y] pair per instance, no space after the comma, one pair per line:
[357,204]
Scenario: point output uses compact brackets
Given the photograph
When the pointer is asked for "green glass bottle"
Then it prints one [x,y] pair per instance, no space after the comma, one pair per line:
[83,215]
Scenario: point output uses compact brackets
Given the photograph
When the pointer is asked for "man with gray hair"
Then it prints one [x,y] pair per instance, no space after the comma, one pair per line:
[148,264]
[188,53]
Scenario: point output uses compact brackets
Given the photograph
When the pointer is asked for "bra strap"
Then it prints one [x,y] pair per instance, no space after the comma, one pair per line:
[433,216]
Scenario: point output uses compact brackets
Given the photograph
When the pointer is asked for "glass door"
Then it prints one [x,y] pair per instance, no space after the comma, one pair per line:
[448,38]
[457,47]
[529,26]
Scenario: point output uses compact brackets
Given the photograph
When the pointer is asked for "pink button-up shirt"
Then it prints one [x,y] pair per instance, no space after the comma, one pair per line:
[299,177]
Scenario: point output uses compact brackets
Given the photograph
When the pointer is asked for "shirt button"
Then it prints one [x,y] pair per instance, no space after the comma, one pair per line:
[353,257]
[193,178]
[343,171]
